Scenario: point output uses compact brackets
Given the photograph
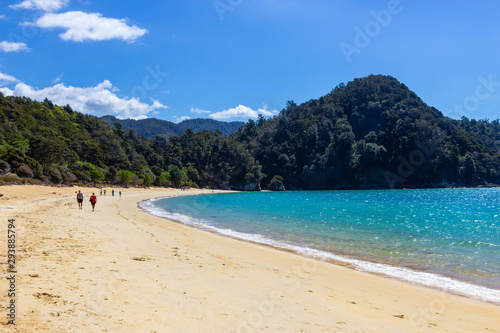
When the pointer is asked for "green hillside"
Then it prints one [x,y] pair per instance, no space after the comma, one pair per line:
[373,133]
[55,144]
[369,133]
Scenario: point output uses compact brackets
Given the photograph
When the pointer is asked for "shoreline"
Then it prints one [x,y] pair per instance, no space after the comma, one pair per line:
[121,269]
[451,284]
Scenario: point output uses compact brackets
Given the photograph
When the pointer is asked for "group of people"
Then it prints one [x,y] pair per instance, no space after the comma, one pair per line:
[93,198]
[112,192]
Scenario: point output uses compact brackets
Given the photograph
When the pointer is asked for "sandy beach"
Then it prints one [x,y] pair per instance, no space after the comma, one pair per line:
[119,269]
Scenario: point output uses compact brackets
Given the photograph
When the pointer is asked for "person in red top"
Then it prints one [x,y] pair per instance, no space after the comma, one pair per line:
[93,200]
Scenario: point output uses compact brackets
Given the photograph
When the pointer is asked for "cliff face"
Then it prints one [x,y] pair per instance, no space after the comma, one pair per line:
[250,187]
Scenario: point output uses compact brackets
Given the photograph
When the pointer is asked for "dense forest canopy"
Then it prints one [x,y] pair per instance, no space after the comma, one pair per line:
[370,133]
[373,133]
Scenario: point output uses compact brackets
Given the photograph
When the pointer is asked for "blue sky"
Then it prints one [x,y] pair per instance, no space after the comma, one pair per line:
[232,59]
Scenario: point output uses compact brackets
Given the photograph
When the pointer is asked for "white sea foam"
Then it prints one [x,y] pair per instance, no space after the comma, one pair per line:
[421,278]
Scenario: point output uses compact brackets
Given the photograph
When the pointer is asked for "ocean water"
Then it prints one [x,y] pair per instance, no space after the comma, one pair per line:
[443,238]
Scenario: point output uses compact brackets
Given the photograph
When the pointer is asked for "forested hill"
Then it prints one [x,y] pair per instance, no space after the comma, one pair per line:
[369,133]
[152,127]
[49,143]
[372,133]
[199,125]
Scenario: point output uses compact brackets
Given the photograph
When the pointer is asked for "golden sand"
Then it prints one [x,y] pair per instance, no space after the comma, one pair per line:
[119,269]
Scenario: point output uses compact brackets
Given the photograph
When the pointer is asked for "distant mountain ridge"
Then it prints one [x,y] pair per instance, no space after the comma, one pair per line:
[152,127]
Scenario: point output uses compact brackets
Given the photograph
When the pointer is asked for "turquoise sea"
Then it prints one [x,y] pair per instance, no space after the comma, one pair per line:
[443,238]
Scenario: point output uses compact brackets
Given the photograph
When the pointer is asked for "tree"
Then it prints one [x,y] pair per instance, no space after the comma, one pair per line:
[96,175]
[260,120]
[47,150]
[146,180]
[175,175]
[468,169]
[125,177]
[276,184]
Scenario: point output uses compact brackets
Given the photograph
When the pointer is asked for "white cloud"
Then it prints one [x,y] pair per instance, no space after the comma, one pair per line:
[179,119]
[98,101]
[199,111]
[2,17]
[242,111]
[6,91]
[6,79]
[13,47]
[58,79]
[82,26]
[45,5]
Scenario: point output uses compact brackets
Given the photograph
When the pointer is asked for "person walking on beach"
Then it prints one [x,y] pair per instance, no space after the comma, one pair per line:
[79,199]
[93,200]
[120,193]
[113,193]
[104,192]
[101,190]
